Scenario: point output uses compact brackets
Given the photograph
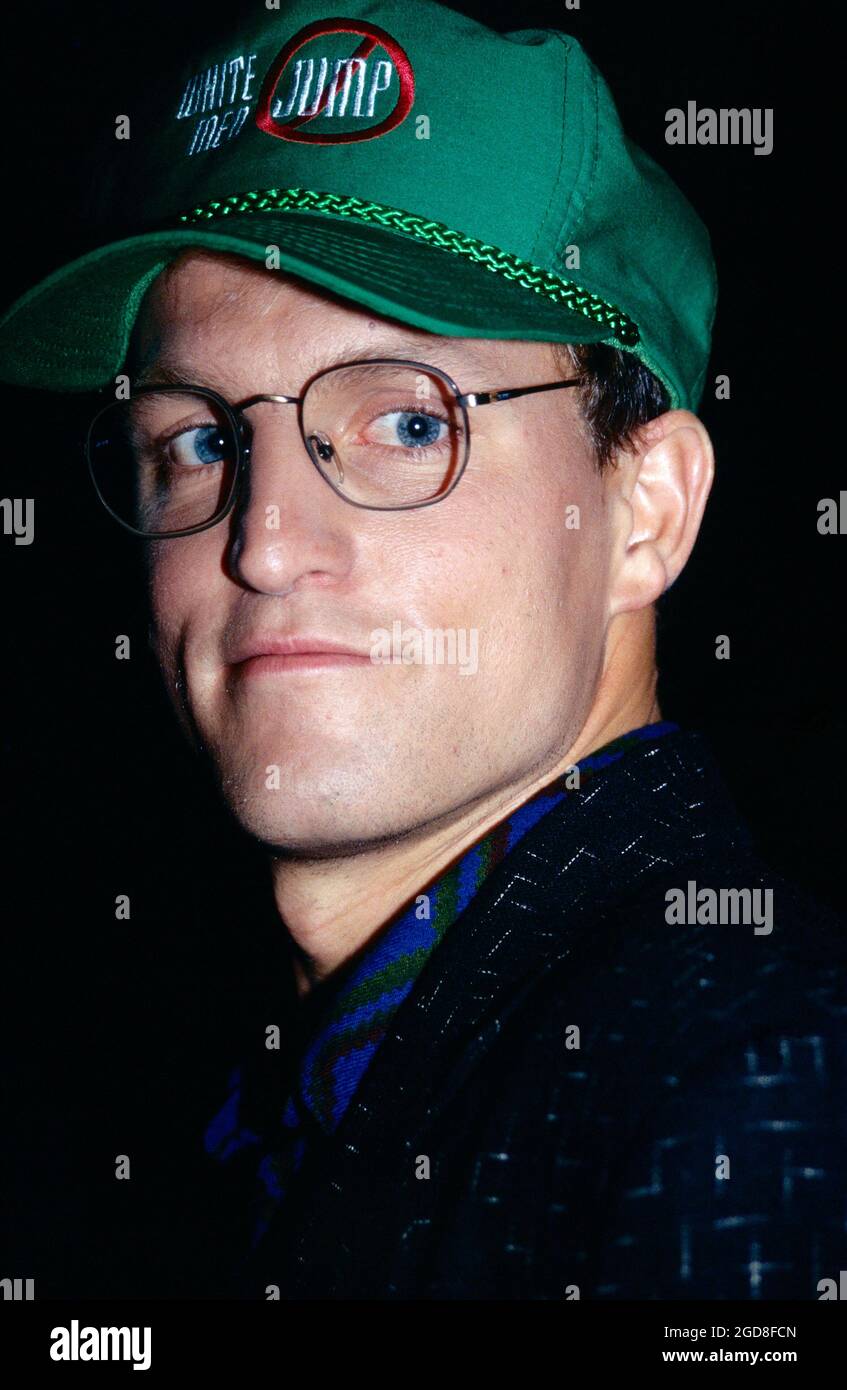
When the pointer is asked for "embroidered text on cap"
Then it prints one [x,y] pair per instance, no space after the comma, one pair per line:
[324,88]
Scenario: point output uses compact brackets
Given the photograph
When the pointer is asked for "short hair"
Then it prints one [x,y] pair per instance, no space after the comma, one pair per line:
[618,395]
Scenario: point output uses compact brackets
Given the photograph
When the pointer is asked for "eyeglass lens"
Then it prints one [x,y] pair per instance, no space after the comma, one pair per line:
[382,435]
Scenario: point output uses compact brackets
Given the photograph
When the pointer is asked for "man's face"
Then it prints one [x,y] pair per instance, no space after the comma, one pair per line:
[321,757]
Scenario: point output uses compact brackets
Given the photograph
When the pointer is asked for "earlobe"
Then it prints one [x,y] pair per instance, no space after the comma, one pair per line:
[668,485]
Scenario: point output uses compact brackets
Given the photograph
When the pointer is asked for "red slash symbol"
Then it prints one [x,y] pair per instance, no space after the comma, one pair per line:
[372,36]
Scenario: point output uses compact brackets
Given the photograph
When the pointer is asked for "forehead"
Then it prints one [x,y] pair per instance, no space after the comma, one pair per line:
[207,306]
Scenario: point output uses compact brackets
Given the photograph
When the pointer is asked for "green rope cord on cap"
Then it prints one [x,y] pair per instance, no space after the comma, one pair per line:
[532,277]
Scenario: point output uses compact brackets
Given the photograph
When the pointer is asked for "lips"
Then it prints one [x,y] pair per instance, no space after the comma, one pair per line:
[276,654]
[294,646]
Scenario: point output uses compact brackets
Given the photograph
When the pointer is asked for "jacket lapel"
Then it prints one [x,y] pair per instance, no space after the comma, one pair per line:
[659,806]
[655,808]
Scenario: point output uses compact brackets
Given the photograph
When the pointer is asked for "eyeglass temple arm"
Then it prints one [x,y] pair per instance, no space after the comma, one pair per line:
[472,398]
[491,397]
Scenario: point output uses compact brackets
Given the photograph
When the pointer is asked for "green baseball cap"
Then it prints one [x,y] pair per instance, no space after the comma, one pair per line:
[406,157]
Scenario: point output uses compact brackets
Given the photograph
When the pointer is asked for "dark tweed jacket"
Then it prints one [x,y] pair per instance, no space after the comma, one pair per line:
[557,1171]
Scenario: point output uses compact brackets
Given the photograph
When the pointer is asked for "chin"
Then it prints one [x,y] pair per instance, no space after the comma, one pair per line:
[312,812]
[311,837]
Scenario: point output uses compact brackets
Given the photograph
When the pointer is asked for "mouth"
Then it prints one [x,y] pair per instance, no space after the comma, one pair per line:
[289,655]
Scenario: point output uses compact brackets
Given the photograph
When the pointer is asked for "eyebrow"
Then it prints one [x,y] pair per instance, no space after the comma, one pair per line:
[462,359]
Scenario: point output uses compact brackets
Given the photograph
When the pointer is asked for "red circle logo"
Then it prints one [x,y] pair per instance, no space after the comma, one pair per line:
[372,37]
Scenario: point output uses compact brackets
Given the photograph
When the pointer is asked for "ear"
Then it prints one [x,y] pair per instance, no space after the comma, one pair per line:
[659,494]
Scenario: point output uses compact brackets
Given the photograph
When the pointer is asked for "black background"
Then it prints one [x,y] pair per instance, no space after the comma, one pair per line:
[117,1032]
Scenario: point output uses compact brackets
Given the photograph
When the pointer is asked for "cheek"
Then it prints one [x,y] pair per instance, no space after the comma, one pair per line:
[533,538]
[521,571]
[180,582]
[549,626]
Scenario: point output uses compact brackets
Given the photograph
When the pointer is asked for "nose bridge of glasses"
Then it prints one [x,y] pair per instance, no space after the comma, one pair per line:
[251,422]
[264,462]
[271,400]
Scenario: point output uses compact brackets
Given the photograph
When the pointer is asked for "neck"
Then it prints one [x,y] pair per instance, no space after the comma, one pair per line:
[332,907]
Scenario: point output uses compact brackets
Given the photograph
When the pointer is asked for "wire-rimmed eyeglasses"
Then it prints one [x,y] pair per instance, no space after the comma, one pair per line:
[386,434]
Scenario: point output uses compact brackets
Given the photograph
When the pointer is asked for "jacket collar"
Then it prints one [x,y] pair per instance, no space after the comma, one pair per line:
[660,805]
[351,1026]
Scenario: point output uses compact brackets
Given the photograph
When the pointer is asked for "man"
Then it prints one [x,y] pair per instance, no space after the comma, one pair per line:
[400,398]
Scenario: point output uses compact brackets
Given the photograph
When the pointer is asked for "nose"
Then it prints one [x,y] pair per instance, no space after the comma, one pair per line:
[289,529]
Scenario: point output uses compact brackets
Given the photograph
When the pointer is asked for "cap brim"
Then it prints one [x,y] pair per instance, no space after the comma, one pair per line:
[72,331]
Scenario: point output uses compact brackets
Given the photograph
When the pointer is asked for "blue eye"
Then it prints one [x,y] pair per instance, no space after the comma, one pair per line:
[411,429]
[418,429]
[199,447]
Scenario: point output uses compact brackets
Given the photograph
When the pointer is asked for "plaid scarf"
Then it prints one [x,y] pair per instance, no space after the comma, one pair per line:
[356,1017]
